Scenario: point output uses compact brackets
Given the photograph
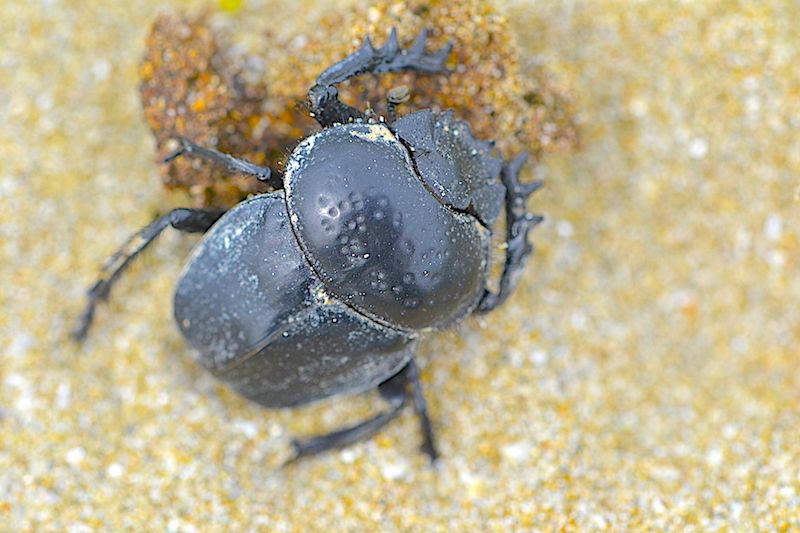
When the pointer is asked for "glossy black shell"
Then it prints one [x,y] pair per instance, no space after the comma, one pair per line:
[294,296]
[376,236]
[261,320]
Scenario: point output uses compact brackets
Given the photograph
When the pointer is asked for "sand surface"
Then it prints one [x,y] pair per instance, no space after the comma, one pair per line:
[645,376]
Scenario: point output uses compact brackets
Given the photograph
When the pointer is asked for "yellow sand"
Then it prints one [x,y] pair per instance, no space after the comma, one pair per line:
[645,376]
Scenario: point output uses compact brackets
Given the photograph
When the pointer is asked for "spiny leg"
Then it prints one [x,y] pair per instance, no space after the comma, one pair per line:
[324,97]
[395,392]
[183,219]
[519,222]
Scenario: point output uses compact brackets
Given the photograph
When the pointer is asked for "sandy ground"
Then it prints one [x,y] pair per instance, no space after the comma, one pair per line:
[644,377]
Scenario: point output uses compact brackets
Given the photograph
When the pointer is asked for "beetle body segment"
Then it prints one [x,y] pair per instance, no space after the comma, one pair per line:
[457,168]
[243,279]
[375,234]
[324,349]
[262,321]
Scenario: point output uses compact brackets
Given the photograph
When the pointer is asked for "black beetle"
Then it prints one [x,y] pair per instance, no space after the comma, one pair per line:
[382,231]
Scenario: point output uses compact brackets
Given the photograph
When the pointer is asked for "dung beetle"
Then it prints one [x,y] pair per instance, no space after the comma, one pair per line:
[382,231]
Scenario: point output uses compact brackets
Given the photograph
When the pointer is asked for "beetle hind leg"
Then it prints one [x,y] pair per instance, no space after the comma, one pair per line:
[323,96]
[519,222]
[182,219]
[395,392]
[351,434]
[421,406]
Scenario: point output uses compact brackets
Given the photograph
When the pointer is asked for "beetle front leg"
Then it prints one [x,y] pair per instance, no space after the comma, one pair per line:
[519,222]
[182,219]
[324,97]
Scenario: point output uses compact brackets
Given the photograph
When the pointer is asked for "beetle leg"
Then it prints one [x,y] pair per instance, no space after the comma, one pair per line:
[183,219]
[190,149]
[421,406]
[519,222]
[395,391]
[323,96]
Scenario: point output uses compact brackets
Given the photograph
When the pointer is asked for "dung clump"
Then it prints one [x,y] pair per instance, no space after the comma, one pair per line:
[192,87]
[195,84]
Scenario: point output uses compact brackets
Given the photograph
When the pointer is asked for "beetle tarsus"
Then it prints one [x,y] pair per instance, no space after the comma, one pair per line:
[99,291]
[421,406]
[519,222]
[182,219]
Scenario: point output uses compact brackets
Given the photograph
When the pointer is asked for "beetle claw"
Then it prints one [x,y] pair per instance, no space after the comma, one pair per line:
[533,220]
[432,62]
[526,189]
[444,52]
[516,164]
[419,45]
[392,45]
[367,46]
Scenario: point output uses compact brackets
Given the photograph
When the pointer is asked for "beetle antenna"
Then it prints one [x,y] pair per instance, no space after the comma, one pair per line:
[190,149]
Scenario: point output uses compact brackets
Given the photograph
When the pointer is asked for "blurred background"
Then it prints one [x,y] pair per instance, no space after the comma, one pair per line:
[644,375]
